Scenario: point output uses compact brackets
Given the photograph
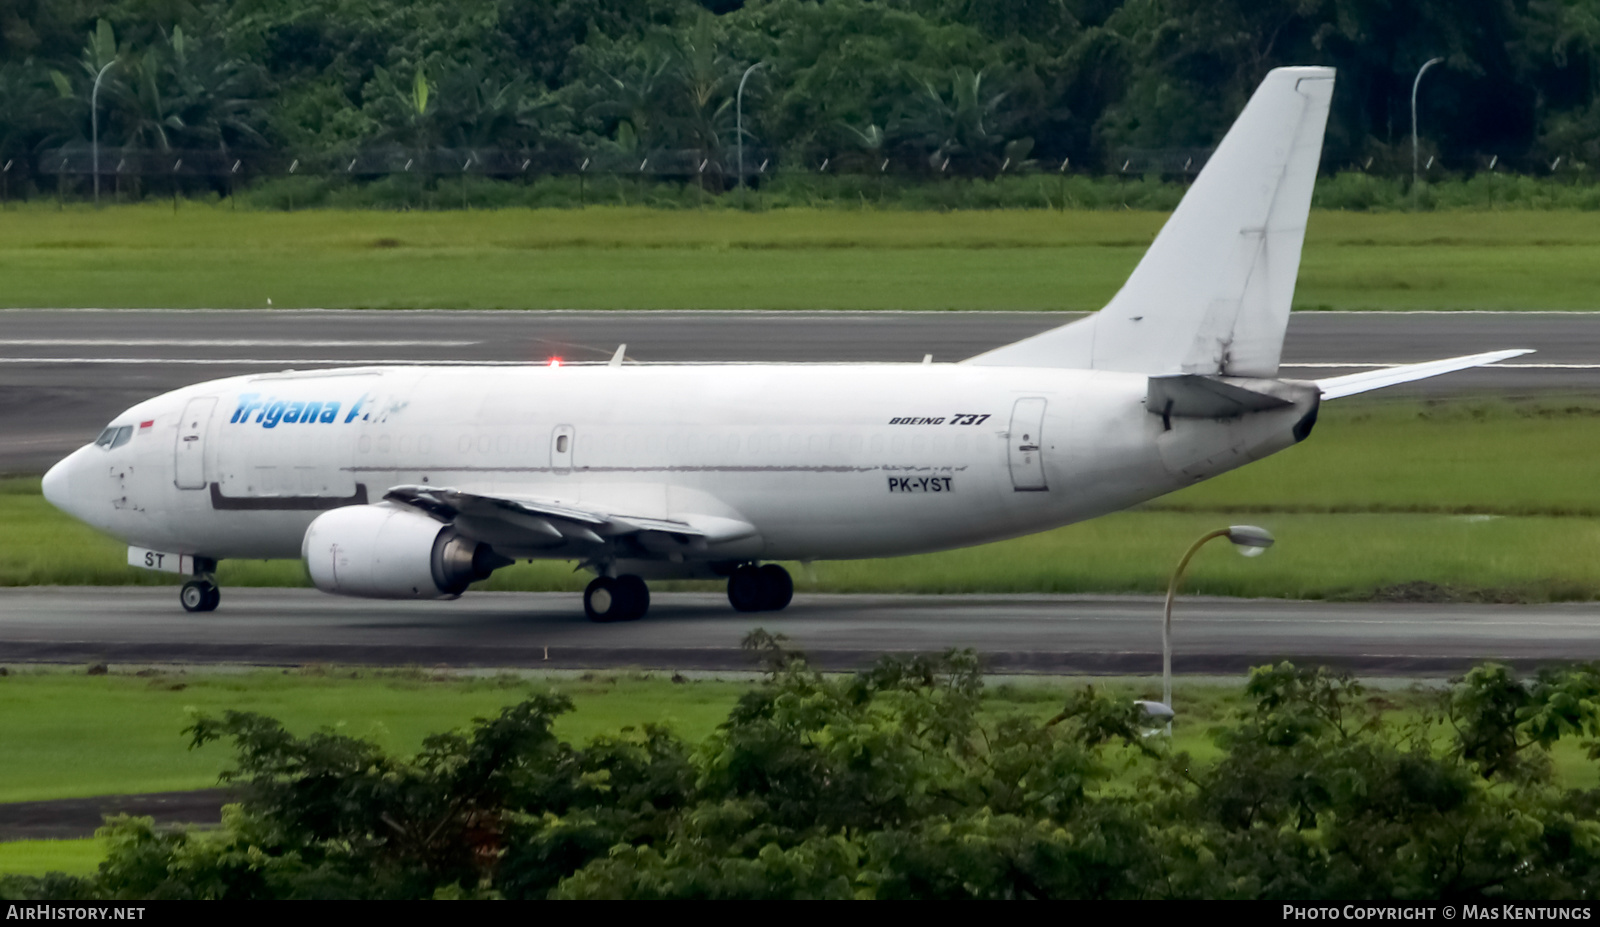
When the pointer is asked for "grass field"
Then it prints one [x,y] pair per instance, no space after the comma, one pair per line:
[613,257]
[1492,499]
[69,735]
[36,857]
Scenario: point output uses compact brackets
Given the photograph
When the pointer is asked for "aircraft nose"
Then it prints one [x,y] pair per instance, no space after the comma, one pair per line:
[57,484]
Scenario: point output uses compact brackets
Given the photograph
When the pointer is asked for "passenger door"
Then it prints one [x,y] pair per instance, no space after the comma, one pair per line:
[1026,443]
[189,460]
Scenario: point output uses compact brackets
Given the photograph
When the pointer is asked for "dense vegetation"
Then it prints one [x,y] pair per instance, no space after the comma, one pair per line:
[897,783]
[929,86]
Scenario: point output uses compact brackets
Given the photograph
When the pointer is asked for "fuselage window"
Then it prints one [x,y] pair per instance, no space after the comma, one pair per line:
[561,444]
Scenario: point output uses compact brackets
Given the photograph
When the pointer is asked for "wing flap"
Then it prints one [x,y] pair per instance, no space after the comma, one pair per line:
[528,522]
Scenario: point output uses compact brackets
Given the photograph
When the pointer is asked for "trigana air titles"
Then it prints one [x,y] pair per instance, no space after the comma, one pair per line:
[413,482]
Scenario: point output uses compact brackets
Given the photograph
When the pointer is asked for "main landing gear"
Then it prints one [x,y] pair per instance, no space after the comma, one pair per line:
[621,598]
[765,588]
[751,588]
[200,595]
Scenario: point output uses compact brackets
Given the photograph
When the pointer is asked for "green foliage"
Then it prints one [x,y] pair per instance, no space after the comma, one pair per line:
[955,80]
[896,783]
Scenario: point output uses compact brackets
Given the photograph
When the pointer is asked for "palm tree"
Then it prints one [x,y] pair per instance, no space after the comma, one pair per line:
[967,124]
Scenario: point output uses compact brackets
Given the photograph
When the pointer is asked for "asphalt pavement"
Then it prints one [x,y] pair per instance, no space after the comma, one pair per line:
[1012,633]
[65,373]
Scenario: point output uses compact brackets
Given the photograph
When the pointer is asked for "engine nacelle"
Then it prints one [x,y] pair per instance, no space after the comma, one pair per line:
[386,551]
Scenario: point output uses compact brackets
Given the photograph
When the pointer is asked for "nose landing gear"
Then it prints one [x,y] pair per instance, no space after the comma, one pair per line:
[200,595]
[766,588]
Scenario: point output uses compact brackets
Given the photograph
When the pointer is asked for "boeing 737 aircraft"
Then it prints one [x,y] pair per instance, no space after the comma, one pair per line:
[416,481]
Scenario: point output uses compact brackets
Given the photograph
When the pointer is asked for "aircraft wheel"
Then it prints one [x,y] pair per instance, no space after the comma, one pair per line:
[777,589]
[199,595]
[633,597]
[745,589]
[601,602]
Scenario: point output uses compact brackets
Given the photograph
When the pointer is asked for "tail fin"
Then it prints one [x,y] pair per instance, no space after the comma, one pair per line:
[1212,294]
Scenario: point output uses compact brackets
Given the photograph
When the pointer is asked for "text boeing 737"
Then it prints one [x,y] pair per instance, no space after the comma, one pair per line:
[414,481]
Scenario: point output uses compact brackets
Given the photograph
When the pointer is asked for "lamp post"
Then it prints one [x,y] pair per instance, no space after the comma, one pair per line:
[94,122]
[1250,541]
[738,116]
[1414,85]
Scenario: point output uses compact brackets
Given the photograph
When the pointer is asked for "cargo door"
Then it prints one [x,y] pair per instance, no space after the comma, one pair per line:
[1026,443]
[189,462]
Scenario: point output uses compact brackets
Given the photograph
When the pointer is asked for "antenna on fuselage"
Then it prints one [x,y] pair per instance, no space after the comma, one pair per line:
[927,358]
[616,359]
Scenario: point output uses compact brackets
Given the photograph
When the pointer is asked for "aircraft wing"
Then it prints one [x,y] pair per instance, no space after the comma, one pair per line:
[527,523]
[1351,384]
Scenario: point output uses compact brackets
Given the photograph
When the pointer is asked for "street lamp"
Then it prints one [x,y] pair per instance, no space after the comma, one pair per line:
[94,122]
[1414,85]
[738,116]
[1249,541]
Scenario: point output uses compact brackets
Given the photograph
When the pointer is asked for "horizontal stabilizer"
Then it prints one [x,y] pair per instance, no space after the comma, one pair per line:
[1189,395]
[1349,385]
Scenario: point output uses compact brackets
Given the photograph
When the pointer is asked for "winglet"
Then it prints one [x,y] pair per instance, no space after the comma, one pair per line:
[1349,385]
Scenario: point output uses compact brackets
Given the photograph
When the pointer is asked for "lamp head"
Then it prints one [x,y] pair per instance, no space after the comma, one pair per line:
[1250,540]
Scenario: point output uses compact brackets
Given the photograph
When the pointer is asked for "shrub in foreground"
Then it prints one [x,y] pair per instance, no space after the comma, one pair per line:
[898,783]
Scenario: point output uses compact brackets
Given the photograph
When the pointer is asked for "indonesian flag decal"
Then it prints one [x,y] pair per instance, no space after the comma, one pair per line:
[144,425]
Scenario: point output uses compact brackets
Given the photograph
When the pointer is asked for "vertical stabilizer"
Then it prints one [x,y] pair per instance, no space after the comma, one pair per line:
[1212,294]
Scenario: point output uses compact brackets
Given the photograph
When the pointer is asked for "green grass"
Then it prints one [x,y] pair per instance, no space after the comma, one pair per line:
[1492,499]
[613,257]
[37,857]
[69,735]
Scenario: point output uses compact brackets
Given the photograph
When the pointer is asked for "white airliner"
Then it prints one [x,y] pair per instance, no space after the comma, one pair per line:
[415,481]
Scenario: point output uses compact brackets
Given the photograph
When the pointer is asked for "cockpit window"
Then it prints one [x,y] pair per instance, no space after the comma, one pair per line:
[114,437]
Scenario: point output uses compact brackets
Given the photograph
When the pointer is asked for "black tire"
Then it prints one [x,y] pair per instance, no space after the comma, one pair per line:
[634,597]
[600,600]
[744,589]
[777,589]
[198,595]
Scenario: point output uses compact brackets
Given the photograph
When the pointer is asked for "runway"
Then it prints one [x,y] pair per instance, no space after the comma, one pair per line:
[65,373]
[1013,634]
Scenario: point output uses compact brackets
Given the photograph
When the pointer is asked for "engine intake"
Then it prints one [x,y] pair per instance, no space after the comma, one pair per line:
[385,551]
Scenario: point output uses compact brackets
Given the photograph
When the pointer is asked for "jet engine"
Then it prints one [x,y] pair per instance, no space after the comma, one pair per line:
[386,551]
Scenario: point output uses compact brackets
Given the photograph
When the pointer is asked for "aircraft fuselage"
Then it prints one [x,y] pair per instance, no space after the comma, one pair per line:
[827,462]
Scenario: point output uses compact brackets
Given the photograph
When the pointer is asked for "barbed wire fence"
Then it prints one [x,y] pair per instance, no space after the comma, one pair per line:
[128,173]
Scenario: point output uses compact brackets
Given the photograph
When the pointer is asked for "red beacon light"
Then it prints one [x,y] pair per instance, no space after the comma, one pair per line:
[555,362]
